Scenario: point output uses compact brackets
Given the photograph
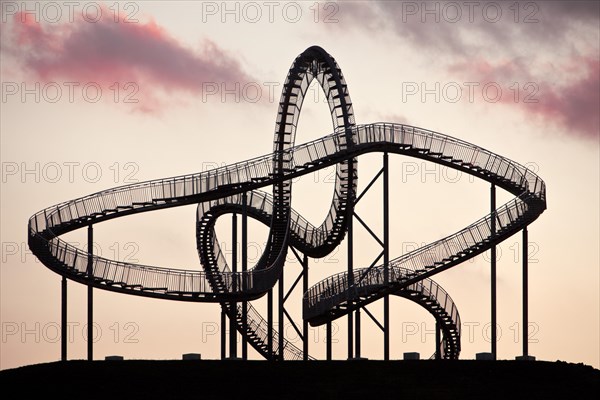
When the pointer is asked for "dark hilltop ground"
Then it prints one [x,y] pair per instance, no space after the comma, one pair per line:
[209,379]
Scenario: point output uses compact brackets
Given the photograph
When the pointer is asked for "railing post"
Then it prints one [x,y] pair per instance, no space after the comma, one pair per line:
[493,269]
[90,294]
[63,320]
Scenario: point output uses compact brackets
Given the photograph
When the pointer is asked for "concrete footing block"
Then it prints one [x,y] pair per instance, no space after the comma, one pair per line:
[191,356]
[484,357]
[525,358]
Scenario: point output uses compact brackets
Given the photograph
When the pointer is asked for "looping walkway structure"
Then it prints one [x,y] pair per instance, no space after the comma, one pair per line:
[235,189]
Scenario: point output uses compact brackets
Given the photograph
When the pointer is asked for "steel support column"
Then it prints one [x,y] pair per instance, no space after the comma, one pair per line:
[494,339]
[280,321]
[233,311]
[223,334]
[90,295]
[525,294]
[386,257]
[244,269]
[328,340]
[305,327]
[270,323]
[63,320]
[438,341]
[357,335]
[350,283]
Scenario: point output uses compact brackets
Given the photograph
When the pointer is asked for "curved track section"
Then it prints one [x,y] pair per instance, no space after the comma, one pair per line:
[218,191]
[314,63]
[324,300]
[334,296]
[46,226]
[258,205]
[433,298]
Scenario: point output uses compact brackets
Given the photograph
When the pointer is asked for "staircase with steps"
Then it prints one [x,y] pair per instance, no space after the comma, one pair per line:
[219,191]
[46,226]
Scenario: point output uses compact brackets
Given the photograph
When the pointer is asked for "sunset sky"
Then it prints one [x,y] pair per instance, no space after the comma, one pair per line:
[100,94]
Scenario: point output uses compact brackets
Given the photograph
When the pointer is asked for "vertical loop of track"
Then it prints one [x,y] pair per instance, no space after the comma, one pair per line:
[313,63]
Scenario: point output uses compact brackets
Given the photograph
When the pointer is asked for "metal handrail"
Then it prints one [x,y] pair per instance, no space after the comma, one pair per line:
[533,190]
[515,176]
[406,274]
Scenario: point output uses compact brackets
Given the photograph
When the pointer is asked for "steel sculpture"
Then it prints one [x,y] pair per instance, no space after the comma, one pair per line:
[235,189]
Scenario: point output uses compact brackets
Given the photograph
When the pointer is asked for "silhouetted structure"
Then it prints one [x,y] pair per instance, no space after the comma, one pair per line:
[234,189]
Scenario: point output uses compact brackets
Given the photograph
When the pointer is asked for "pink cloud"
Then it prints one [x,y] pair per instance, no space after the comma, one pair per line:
[576,105]
[106,52]
[572,105]
[487,72]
